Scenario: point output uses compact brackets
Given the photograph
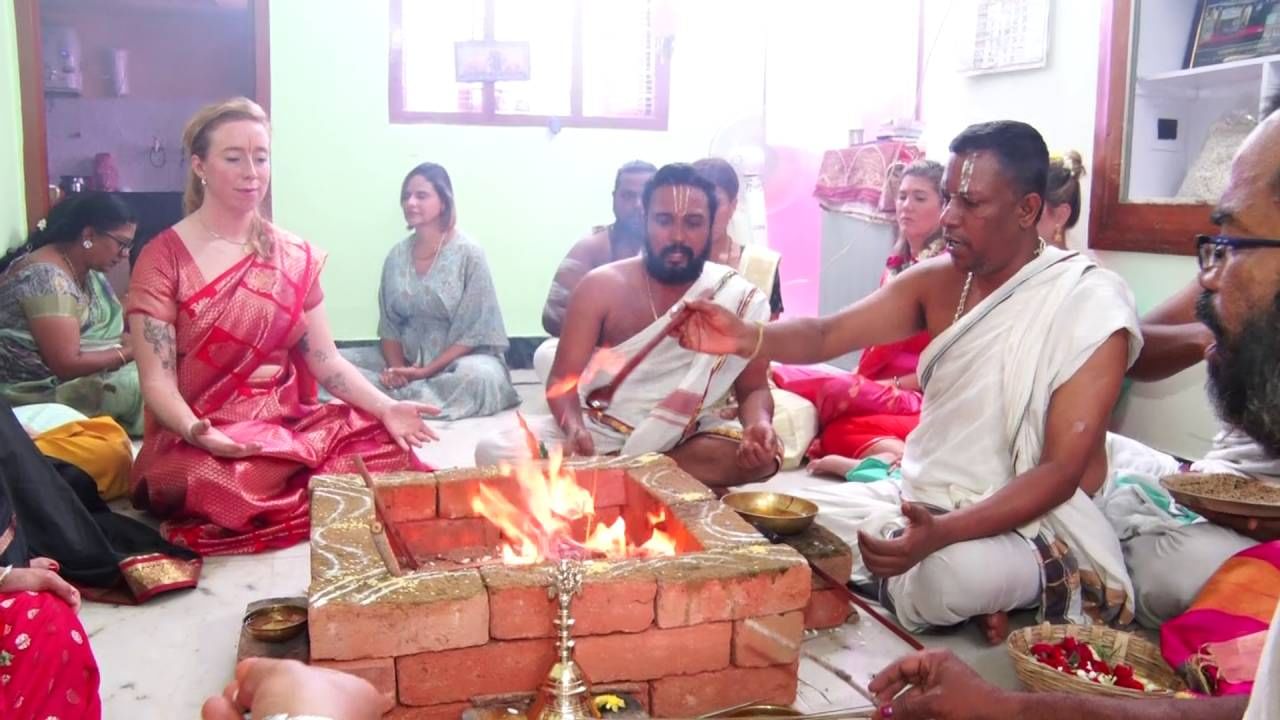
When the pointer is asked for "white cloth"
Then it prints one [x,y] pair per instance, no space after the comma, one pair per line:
[46,416]
[987,384]
[1264,703]
[1171,552]
[543,358]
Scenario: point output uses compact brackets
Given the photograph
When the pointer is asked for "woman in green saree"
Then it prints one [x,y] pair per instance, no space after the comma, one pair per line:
[61,326]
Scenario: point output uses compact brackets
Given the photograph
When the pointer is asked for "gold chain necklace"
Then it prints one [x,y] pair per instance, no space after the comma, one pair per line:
[649,291]
[71,268]
[968,282]
[242,244]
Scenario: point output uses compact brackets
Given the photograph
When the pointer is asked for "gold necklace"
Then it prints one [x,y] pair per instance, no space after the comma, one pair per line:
[243,244]
[968,282]
[964,298]
[649,291]
[71,268]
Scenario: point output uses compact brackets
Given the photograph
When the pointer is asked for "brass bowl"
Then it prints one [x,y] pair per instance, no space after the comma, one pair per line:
[752,711]
[276,623]
[774,512]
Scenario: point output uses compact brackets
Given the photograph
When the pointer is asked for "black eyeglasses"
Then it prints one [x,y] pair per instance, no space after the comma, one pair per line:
[124,244]
[1211,249]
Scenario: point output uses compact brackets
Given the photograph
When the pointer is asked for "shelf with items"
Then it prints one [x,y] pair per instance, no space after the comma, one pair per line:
[1165,133]
[1192,83]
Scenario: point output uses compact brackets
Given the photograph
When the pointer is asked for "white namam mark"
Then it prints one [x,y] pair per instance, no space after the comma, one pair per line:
[966,173]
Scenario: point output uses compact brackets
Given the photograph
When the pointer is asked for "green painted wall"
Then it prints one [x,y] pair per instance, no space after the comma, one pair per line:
[524,194]
[13,214]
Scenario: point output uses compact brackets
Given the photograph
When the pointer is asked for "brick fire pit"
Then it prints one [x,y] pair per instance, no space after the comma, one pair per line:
[716,624]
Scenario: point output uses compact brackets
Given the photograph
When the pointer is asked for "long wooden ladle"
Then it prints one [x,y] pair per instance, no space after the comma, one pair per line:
[602,397]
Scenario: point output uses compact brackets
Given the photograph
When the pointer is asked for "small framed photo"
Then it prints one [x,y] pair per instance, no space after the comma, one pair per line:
[1229,30]
[486,61]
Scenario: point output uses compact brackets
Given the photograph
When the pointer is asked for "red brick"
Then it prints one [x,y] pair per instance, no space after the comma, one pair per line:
[427,538]
[608,487]
[424,612]
[378,672]
[456,488]
[615,597]
[827,609]
[716,526]
[658,477]
[447,711]
[731,585]
[654,653]
[456,675]
[826,550]
[694,695]
[765,641]
[406,497]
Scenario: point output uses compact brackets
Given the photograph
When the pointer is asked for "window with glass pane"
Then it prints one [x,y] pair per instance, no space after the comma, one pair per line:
[591,63]
[428,32]
[619,60]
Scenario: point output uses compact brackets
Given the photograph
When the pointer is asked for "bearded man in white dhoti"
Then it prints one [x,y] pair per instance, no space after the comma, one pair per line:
[668,403]
[1030,345]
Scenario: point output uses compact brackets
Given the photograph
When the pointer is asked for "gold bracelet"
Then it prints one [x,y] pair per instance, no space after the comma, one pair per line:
[759,342]
[120,352]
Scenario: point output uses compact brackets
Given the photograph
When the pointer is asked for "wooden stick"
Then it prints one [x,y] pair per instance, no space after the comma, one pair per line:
[393,533]
[865,606]
[602,397]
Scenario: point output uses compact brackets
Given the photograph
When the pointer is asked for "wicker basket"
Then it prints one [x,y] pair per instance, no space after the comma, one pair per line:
[1113,645]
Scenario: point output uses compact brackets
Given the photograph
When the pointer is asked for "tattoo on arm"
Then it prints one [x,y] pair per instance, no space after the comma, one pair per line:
[335,383]
[317,355]
[160,336]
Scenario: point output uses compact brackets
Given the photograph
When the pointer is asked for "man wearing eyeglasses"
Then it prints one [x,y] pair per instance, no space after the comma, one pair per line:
[1231,319]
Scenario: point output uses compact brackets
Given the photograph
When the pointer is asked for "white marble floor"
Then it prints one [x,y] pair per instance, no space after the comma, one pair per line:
[162,659]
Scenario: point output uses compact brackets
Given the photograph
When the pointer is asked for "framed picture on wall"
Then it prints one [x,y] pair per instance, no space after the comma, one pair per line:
[1229,30]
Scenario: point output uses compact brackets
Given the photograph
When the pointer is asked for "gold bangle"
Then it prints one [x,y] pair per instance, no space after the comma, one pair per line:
[120,352]
[759,342]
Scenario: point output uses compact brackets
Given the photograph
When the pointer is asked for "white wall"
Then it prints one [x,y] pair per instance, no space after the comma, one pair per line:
[1060,100]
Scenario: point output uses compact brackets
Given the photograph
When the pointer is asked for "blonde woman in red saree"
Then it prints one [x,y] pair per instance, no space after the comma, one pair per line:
[233,336]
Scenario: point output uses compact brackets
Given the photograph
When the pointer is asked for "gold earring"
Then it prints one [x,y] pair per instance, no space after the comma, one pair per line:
[203,181]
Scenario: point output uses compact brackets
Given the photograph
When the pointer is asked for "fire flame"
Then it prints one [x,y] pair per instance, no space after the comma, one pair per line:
[556,512]
[605,360]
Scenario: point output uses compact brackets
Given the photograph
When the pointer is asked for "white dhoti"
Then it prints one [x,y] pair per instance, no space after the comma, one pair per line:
[1170,551]
[987,384]
[543,358]
[669,397]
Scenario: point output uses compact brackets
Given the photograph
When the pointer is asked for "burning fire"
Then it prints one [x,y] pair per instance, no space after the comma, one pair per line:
[557,512]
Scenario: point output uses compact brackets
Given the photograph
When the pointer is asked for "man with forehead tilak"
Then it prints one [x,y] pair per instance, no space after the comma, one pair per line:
[1030,345]
[666,404]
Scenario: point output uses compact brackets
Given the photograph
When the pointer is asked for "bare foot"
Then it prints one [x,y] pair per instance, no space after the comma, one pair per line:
[995,626]
[832,465]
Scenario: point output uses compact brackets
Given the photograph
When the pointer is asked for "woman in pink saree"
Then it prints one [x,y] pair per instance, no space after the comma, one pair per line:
[881,400]
[231,335]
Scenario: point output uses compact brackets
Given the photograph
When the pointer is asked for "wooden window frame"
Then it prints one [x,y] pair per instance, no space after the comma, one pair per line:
[1114,223]
[490,116]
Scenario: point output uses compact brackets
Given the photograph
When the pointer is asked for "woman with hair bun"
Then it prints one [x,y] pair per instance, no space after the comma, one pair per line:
[1061,198]
[61,326]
